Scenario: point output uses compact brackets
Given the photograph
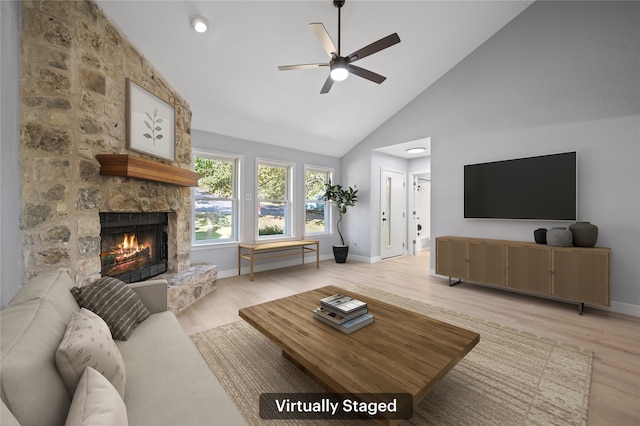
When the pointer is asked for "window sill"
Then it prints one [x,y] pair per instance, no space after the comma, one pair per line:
[320,235]
[209,246]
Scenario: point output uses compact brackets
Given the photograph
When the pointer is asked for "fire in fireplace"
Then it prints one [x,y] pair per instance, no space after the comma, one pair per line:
[133,245]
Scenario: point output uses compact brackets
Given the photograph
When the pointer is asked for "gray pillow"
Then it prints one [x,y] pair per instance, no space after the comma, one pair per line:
[118,305]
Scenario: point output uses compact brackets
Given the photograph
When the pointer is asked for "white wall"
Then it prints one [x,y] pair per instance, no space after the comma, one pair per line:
[10,239]
[561,76]
[226,256]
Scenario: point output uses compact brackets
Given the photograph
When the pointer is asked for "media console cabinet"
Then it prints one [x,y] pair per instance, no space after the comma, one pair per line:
[575,274]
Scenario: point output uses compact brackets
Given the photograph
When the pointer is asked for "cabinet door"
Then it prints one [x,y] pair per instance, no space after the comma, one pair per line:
[486,262]
[529,268]
[451,258]
[581,275]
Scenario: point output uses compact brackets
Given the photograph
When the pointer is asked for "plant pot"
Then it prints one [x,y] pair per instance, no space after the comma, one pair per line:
[340,253]
[540,235]
[585,234]
[559,237]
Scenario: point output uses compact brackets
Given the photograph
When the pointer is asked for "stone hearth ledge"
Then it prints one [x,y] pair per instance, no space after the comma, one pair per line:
[185,287]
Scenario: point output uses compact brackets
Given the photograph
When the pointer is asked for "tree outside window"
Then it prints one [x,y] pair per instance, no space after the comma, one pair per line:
[316,213]
[274,201]
[215,200]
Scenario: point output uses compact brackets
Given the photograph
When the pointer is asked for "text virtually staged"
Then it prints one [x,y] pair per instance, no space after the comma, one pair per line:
[306,406]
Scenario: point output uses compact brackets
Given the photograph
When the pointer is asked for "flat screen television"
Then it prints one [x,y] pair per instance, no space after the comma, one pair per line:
[533,188]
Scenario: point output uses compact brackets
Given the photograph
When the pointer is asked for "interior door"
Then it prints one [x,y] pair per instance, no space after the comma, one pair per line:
[392,214]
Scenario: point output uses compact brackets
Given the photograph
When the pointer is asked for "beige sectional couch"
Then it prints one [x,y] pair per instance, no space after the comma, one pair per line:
[167,380]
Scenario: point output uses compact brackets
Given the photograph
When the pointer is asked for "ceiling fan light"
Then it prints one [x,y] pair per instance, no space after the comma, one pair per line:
[416,150]
[339,74]
[199,24]
[339,69]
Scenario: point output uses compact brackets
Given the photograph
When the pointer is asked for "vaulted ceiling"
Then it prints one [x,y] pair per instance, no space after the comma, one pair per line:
[230,78]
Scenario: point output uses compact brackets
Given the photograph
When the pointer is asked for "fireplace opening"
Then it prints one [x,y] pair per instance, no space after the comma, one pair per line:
[133,245]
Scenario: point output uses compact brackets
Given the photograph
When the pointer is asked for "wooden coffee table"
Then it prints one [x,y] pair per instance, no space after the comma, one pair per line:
[401,352]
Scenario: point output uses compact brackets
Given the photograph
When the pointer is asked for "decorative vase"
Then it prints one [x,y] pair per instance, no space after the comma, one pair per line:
[559,237]
[585,234]
[540,235]
[340,253]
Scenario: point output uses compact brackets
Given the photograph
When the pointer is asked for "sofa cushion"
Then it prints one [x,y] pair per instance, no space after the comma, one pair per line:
[164,362]
[7,417]
[87,342]
[52,286]
[118,305]
[96,402]
[31,387]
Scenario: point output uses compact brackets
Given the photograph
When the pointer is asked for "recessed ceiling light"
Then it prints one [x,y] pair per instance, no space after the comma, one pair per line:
[416,150]
[199,24]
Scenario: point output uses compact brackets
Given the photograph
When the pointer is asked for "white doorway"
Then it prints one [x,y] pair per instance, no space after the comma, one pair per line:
[420,227]
[392,214]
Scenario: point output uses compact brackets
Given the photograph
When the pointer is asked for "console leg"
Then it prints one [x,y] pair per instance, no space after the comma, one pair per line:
[455,283]
[580,308]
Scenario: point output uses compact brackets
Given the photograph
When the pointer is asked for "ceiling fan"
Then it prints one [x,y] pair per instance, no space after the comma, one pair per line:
[339,65]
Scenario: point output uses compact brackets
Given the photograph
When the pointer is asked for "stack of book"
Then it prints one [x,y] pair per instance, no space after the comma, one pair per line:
[343,313]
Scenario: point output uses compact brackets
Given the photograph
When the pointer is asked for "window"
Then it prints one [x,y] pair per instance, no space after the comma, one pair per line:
[316,212]
[215,201]
[274,199]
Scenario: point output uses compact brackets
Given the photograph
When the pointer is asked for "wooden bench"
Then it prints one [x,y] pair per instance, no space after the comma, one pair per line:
[252,252]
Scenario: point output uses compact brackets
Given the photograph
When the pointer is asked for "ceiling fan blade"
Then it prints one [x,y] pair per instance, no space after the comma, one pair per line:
[369,75]
[325,40]
[301,67]
[374,47]
[327,85]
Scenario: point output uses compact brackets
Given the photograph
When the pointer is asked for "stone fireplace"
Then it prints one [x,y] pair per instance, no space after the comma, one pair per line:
[74,66]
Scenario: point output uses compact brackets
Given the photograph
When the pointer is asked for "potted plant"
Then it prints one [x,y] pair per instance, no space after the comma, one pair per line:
[341,199]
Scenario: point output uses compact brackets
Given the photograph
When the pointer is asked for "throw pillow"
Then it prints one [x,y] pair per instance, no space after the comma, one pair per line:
[115,302]
[87,342]
[96,402]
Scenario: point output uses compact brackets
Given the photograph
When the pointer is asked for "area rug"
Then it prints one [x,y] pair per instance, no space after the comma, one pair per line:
[510,378]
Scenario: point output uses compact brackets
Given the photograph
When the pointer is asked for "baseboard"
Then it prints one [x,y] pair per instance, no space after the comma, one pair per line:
[228,273]
[363,259]
[625,308]
[617,307]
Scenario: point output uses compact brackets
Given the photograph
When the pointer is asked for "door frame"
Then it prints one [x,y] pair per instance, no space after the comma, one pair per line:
[413,232]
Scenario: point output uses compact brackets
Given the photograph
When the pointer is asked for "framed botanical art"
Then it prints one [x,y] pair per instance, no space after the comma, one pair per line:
[150,123]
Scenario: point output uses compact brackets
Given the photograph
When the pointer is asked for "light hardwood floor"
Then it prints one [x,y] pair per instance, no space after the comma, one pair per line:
[614,338]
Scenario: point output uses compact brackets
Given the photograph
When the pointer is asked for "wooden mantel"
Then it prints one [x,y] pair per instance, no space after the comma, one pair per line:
[140,168]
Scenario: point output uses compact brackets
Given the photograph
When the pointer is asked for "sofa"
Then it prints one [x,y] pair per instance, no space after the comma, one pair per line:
[167,380]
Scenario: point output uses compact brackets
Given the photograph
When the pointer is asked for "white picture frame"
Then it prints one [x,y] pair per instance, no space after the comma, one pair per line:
[150,123]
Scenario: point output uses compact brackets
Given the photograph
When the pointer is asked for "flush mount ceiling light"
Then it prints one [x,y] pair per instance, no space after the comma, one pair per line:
[199,24]
[416,150]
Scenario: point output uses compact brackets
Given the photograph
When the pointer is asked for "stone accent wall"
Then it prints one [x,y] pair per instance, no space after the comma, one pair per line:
[74,64]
